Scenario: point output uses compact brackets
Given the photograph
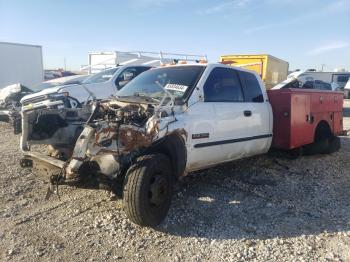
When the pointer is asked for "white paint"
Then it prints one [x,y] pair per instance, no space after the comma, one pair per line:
[224,121]
[20,63]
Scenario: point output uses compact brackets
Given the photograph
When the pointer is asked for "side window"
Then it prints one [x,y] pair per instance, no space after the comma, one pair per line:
[343,79]
[126,76]
[308,85]
[223,85]
[251,87]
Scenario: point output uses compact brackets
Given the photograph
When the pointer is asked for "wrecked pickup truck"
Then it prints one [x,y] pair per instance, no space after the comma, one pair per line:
[170,121]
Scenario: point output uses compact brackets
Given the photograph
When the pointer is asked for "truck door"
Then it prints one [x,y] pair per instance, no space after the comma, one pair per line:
[259,124]
[221,123]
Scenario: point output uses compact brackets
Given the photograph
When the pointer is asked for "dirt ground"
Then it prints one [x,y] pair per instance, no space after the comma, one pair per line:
[266,208]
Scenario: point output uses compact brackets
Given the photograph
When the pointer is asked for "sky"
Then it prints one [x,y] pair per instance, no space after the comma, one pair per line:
[306,33]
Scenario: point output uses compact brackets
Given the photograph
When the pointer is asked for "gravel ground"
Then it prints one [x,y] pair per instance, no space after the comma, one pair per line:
[266,208]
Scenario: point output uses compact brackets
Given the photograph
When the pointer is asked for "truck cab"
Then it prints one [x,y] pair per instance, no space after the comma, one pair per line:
[229,117]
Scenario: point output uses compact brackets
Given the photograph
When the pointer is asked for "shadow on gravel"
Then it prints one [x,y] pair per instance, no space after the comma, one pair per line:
[264,197]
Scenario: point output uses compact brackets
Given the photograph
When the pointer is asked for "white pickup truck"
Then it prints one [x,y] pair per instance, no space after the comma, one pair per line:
[165,123]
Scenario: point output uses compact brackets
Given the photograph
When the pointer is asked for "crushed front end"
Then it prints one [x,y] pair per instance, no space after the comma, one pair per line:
[95,144]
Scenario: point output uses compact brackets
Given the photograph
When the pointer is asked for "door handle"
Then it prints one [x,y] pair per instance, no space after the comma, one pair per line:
[247,113]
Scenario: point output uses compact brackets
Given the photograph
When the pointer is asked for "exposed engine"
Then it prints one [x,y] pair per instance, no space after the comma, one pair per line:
[116,132]
[130,114]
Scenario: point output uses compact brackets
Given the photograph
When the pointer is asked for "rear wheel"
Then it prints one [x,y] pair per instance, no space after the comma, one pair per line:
[333,145]
[148,190]
[317,147]
[325,142]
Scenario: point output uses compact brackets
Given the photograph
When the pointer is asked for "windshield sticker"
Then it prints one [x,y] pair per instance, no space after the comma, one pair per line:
[175,87]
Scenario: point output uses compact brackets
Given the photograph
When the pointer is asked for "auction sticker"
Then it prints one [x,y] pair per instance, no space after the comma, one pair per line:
[176,87]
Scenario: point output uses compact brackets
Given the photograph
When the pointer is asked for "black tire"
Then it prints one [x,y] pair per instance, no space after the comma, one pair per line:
[334,145]
[318,147]
[148,190]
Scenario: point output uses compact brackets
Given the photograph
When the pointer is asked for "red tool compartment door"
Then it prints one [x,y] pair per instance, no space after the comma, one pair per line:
[302,131]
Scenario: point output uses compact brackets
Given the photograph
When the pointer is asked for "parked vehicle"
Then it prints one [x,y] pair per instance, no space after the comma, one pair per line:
[308,84]
[272,70]
[10,97]
[173,120]
[98,86]
[20,63]
[338,79]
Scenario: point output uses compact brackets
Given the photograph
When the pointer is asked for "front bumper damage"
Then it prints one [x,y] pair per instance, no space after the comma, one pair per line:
[102,147]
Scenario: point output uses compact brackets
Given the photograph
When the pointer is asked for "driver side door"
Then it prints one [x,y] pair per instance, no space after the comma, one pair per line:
[218,124]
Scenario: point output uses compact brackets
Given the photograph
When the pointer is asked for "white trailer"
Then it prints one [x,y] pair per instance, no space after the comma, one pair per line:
[99,61]
[20,63]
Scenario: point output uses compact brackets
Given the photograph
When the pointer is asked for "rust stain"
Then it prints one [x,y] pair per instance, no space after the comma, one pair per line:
[131,139]
[106,131]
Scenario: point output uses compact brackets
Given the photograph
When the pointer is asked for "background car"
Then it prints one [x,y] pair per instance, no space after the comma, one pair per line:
[98,86]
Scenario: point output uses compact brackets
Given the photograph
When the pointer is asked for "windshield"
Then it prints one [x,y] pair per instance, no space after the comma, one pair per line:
[176,80]
[101,77]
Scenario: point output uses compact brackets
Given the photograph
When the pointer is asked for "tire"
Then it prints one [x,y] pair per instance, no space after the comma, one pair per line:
[318,147]
[334,145]
[148,190]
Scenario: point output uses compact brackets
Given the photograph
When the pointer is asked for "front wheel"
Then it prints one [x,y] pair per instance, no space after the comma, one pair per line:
[148,190]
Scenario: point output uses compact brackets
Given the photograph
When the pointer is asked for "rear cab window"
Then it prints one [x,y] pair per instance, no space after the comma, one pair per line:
[251,87]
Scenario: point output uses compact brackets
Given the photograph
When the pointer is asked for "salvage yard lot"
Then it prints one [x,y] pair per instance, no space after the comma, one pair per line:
[263,208]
